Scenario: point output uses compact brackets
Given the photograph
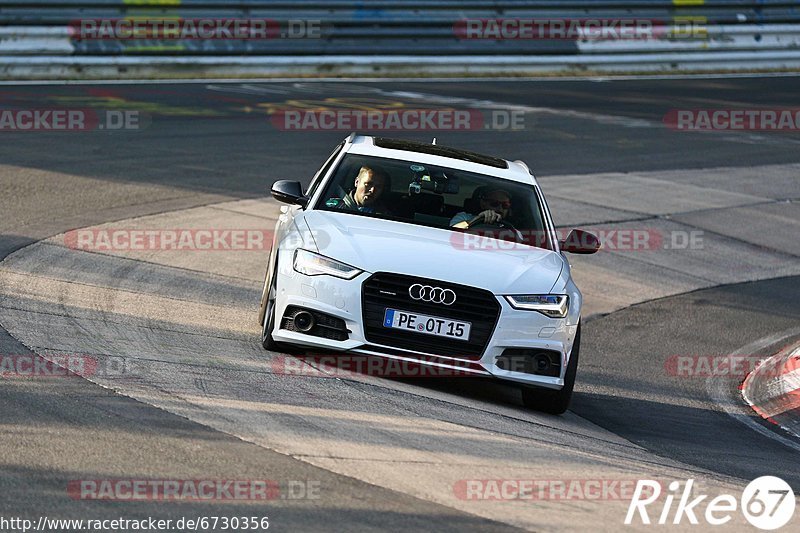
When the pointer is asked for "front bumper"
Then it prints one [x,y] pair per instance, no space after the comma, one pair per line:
[515,329]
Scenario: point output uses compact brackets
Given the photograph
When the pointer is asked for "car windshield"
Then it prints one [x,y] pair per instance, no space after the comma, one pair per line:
[434,196]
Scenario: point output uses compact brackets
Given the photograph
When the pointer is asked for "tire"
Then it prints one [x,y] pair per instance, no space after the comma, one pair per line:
[268,325]
[555,402]
[269,320]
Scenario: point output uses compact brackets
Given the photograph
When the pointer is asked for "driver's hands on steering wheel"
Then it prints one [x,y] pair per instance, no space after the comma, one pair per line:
[490,216]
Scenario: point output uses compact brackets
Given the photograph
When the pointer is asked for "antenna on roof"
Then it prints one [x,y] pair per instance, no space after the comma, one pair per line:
[434,141]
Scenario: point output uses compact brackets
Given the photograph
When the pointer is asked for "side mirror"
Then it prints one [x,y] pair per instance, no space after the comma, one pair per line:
[289,192]
[580,242]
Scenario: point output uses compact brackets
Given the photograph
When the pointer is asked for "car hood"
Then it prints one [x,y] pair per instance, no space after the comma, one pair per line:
[377,245]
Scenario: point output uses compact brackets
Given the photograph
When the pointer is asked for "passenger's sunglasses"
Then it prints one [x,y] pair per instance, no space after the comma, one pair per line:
[498,203]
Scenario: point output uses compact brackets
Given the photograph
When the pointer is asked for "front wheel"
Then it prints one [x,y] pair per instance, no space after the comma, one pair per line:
[269,319]
[555,402]
[268,326]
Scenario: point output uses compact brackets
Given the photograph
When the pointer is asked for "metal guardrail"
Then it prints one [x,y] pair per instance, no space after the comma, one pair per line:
[402,13]
[385,32]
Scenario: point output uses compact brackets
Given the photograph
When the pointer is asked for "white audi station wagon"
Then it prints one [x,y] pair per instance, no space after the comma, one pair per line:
[429,255]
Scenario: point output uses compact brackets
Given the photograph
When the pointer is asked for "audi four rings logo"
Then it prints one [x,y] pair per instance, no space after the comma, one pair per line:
[436,295]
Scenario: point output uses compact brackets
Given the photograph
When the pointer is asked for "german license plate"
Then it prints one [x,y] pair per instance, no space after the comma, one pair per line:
[430,325]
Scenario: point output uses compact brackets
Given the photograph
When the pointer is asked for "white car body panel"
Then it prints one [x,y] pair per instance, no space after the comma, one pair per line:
[375,245]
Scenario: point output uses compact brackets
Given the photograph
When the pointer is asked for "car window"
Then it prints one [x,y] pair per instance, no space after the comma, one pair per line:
[434,196]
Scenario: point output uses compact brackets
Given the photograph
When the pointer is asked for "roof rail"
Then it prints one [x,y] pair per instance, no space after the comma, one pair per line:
[524,165]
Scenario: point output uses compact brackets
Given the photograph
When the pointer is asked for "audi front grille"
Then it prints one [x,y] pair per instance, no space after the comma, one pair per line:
[390,291]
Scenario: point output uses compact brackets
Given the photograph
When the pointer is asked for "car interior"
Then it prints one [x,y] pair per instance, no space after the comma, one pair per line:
[432,196]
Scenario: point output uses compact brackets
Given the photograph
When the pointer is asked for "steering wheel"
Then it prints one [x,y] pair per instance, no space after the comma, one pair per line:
[507,224]
[502,223]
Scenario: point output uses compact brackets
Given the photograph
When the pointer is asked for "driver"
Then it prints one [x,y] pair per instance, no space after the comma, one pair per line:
[494,204]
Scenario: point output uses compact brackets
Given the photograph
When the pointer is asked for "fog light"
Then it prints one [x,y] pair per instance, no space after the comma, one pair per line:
[303,321]
[542,363]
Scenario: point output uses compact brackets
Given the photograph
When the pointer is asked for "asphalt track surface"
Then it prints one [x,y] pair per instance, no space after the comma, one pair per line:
[205,145]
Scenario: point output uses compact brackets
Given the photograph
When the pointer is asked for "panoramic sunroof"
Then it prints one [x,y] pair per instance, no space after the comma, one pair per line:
[444,151]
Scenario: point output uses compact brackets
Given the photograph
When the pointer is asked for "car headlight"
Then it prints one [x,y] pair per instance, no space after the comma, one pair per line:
[312,264]
[552,305]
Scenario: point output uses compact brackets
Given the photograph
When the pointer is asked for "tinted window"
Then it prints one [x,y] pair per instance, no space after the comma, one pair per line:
[435,196]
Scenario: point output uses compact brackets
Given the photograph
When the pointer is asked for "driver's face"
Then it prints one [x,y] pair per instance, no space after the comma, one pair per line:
[369,188]
[497,201]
